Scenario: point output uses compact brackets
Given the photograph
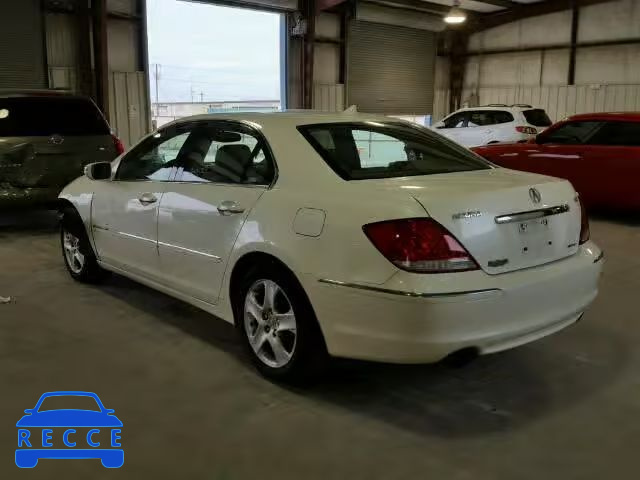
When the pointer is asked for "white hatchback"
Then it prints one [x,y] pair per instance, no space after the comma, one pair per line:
[476,126]
[336,234]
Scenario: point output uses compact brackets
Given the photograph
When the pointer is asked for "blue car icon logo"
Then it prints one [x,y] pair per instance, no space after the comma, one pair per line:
[69,433]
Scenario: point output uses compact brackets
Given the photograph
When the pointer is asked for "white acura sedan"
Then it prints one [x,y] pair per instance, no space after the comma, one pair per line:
[336,234]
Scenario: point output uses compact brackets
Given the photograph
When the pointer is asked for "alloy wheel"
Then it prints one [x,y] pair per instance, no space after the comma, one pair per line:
[270,323]
[71,245]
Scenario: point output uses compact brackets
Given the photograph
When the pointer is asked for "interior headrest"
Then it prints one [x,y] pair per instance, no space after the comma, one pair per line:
[234,157]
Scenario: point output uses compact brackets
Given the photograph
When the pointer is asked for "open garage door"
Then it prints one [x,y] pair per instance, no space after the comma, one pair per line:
[22,63]
[391,68]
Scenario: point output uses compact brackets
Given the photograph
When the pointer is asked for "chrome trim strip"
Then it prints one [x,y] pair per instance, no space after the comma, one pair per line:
[99,227]
[131,235]
[600,257]
[408,294]
[532,215]
[189,250]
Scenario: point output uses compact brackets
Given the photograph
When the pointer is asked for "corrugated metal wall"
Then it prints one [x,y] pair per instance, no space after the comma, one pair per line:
[128,105]
[22,58]
[391,68]
[328,98]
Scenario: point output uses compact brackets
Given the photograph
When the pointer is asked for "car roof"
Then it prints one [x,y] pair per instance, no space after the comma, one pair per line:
[620,116]
[292,118]
[498,106]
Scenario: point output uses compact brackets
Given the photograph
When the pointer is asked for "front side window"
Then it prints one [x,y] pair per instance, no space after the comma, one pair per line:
[224,153]
[457,120]
[572,133]
[618,134]
[360,151]
[154,158]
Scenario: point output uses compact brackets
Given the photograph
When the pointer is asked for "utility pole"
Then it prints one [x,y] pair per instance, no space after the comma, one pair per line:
[157,77]
[201,97]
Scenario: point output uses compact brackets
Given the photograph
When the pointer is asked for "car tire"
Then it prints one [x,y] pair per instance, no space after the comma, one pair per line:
[77,251]
[268,304]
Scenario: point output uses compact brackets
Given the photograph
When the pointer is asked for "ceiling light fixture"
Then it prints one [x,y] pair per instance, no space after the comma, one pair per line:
[456,15]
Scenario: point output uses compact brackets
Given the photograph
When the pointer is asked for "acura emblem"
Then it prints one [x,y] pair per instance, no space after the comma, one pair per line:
[56,139]
[534,195]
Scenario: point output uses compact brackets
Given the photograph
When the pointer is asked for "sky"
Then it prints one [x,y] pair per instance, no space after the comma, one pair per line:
[222,53]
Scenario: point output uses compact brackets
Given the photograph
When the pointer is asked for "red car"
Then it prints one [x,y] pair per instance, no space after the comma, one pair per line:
[599,153]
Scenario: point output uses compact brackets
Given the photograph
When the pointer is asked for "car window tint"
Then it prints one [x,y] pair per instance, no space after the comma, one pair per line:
[481,118]
[500,116]
[46,116]
[224,154]
[537,117]
[455,121]
[154,158]
[362,151]
[572,133]
[617,134]
[63,402]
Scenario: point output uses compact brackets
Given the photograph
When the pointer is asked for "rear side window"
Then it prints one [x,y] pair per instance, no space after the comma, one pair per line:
[617,134]
[537,117]
[45,116]
[482,118]
[360,151]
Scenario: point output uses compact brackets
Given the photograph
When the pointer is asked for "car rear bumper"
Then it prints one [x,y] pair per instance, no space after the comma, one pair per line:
[424,318]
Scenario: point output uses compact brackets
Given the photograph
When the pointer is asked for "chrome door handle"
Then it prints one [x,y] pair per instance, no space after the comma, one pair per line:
[147,198]
[229,207]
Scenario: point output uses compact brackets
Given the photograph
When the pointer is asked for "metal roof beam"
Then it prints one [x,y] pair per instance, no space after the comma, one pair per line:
[527,11]
[500,3]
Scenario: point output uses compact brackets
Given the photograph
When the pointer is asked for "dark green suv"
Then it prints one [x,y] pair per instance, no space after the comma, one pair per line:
[46,139]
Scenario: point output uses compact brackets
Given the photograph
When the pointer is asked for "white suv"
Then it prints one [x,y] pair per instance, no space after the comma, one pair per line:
[475,126]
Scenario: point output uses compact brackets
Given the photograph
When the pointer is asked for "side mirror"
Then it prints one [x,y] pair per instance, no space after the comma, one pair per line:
[98,171]
[109,411]
[29,411]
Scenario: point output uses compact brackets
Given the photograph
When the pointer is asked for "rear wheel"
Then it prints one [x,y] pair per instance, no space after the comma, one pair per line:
[77,252]
[278,326]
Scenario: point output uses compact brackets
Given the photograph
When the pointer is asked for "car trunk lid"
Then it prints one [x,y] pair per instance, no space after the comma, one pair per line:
[507,220]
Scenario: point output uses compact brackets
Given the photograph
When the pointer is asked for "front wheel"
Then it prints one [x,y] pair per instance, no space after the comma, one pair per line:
[77,252]
[278,326]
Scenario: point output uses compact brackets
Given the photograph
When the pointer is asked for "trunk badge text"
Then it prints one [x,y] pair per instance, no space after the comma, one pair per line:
[463,215]
[534,195]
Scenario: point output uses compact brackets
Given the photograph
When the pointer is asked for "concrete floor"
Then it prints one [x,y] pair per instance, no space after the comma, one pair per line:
[566,407]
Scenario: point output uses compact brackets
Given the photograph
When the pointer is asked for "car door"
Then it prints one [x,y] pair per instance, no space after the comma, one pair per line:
[453,126]
[612,165]
[480,128]
[560,152]
[125,209]
[223,169]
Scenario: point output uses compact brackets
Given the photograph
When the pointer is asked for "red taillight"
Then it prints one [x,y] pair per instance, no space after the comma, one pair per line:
[118,144]
[420,245]
[585,233]
[527,130]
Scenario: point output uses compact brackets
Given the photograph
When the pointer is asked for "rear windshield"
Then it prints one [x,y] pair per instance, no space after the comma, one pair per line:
[368,150]
[45,116]
[537,118]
